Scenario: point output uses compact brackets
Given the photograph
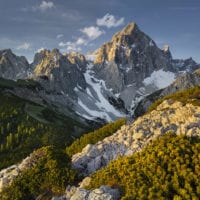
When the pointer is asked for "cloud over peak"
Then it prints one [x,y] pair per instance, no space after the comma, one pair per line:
[109,21]
[92,32]
[88,34]
[73,46]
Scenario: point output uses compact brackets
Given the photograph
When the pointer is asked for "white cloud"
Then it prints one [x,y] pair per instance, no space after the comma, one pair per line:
[59,36]
[110,21]
[45,5]
[70,46]
[92,32]
[62,44]
[89,34]
[24,46]
[81,41]
[73,46]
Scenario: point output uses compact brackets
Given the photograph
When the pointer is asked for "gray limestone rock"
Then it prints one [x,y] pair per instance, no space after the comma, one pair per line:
[12,66]
[131,55]
[169,116]
[102,193]
[59,73]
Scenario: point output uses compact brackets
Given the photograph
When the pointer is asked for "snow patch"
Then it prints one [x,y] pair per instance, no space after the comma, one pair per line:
[54,58]
[165,48]
[76,89]
[101,102]
[88,92]
[128,69]
[151,43]
[160,79]
[133,46]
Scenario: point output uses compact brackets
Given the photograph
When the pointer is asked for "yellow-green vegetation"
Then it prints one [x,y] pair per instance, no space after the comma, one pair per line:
[191,95]
[50,175]
[25,126]
[94,137]
[169,168]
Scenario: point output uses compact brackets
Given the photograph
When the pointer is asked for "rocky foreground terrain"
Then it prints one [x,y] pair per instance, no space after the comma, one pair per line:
[169,116]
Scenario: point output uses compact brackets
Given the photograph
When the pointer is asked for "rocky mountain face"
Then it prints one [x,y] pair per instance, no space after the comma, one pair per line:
[69,81]
[12,66]
[130,58]
[59,73]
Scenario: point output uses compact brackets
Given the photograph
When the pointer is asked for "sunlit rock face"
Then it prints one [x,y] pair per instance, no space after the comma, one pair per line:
[132,56]
[128,58]
[59,72]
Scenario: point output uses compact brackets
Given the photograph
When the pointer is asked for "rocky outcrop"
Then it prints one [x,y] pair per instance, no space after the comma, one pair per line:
[12,66]
[102,193]
[77,59]
[77,193]
[169,116]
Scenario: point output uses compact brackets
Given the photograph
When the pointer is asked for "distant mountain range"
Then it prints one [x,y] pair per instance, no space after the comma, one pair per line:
[103,85]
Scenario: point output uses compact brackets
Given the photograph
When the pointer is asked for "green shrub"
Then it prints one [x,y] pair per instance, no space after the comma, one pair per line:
[48,177]
[94,137]
[25,126]
[169,168]
[191,95]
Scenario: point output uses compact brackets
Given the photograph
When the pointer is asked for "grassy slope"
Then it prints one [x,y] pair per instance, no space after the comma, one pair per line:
[25,126]
[191,95]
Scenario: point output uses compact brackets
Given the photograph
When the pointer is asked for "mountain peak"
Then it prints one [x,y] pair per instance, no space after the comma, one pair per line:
[76,58]
[4,51]
[129,28]
[165,48]
[127,31]
[56,51]
[12,66]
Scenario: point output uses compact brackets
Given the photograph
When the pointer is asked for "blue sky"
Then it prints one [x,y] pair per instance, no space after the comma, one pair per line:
[83,25]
